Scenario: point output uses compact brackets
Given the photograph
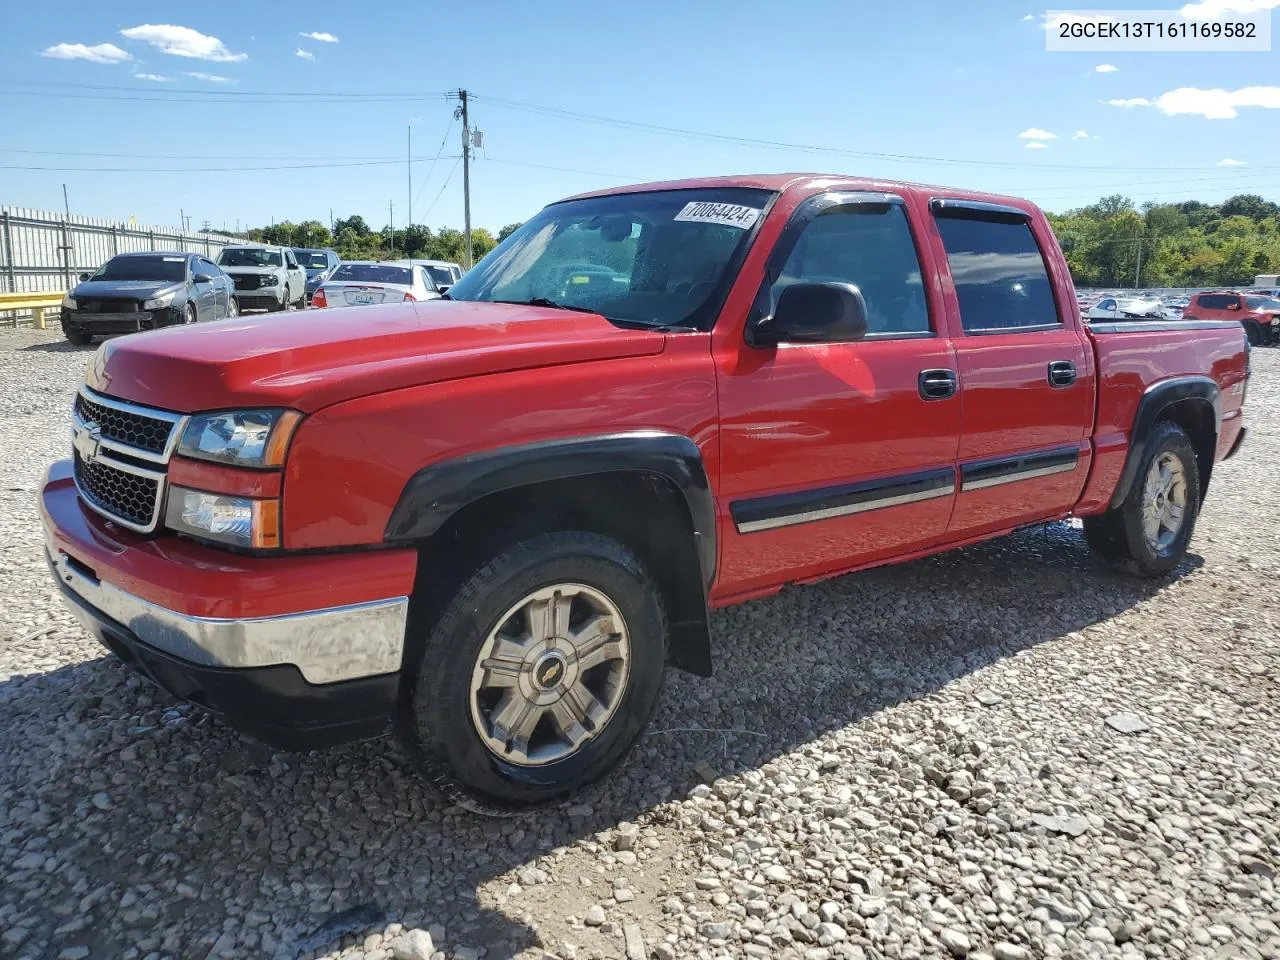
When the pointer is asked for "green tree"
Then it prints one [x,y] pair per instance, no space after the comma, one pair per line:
[508,230]
[354,223]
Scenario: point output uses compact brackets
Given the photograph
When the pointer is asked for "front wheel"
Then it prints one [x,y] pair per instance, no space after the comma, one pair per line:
[1253,332]
[541,672]
[233,308]
[189,313]
[1149,532]
[77,336]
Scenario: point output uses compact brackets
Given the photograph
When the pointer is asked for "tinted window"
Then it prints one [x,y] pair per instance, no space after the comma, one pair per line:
[158,267]
[871,248]
[312,259]
[654,257]
[1107,305]
[290,259]
[441,275]
[1261,303]
[1214,301]
[371,273]
[248,257]
[1000,276]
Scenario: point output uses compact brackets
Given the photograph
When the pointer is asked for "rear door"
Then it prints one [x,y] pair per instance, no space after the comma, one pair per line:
[1027,383]
[838,454]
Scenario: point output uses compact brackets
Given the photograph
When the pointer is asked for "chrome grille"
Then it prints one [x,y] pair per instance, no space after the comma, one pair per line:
[131,427]
[121,451]
[121,494]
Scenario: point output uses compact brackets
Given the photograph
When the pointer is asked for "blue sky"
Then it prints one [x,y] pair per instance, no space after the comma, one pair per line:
[969,85]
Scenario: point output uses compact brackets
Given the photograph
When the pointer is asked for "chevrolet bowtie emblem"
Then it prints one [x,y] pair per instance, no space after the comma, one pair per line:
[87,441]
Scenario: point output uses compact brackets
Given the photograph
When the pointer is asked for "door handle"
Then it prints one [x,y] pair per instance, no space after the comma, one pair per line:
[1062,373]
[938,384]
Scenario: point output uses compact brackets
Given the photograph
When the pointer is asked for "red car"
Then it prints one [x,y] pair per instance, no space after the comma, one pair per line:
[1260,315]
[490,521]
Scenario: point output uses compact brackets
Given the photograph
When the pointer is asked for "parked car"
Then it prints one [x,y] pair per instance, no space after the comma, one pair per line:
[266,278]
[1260,315]
[443,273]
[359,283]
[1111,308]
[143,291]
[318,264]
[798,380]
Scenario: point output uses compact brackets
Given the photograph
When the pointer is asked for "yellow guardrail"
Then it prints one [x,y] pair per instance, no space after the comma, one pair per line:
[37,303]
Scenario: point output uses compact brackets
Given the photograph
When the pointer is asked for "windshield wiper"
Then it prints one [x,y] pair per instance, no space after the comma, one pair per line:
[545,302]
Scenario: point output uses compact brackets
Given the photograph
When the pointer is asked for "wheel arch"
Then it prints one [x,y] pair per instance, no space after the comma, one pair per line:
[1193,403]
[667,515]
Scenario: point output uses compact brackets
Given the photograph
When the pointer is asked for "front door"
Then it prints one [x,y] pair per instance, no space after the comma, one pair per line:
[835,455]
[1027,383]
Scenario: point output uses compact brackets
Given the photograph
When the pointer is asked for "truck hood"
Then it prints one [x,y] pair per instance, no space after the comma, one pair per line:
[136,289]
[310,359]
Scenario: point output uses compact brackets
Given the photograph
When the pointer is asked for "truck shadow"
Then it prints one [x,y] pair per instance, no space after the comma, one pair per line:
[342,842]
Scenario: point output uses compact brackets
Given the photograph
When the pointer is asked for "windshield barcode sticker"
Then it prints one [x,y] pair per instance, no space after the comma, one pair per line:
[725,214]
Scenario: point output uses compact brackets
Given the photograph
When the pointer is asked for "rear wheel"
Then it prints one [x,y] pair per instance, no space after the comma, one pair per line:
[1149,532]
[541,672]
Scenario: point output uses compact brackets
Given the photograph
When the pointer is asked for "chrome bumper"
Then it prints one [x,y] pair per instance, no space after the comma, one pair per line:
[329,645]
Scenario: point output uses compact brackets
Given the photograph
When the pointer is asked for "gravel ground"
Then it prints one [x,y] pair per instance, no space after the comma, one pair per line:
[1006,752]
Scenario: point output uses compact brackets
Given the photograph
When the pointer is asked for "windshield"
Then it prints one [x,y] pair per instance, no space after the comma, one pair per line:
[143,268]
[660,258]
[1262,303]
[372,273]
[248,257]
[443,276]
[311,259]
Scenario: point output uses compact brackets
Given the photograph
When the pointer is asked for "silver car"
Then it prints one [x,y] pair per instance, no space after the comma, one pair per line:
[359,283]
[266,277]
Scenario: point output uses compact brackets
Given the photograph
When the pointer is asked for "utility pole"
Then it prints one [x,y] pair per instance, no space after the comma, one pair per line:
[409,166]
[1137,274]
[66,234]
[466,171]
[391,228]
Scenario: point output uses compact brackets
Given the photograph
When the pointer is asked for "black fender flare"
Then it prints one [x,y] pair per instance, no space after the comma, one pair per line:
[1151,408]
[437,492]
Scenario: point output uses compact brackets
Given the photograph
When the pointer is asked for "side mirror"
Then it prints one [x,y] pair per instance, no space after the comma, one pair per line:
[815,313]
[202,278]
[84,277]
[443,288]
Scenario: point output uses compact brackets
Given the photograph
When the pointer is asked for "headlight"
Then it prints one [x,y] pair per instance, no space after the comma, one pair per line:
[245,438]
[268,281]
[239,521]
[160,302]
[68,302]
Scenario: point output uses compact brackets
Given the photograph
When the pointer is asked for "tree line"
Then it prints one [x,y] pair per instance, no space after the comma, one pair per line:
[1111,243]
[1188,244]
[353,239]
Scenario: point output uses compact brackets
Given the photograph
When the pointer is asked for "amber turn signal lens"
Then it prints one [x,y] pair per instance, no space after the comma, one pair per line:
[266,524]
[281,434]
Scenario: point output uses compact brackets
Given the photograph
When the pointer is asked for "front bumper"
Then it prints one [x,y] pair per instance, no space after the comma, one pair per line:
[291,674]
[105,323]
[264,298]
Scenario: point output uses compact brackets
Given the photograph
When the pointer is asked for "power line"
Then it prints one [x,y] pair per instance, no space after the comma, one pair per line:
[298,166]
[545,166]
[452,171]
[439,152]
[639,126]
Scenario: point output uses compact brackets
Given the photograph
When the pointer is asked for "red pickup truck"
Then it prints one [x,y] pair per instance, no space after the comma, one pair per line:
[489,521]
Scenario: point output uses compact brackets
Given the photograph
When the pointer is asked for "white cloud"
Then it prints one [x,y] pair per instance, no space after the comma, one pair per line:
[1080,135]
[1217,9]
[321,36]
[1228,162]
[1217,104]
[304,54]
[1036,145]
[1035,133]
[1029,16]
[210,77]
[98,53]
[154,77]
[1131,102]
[183,42]
[1105,68]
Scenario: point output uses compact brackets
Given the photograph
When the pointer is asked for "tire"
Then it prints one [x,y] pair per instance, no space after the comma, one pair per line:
[448,718]
[78,337]
[1128,534]
[233,309]
[1253,332]
[189,314]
